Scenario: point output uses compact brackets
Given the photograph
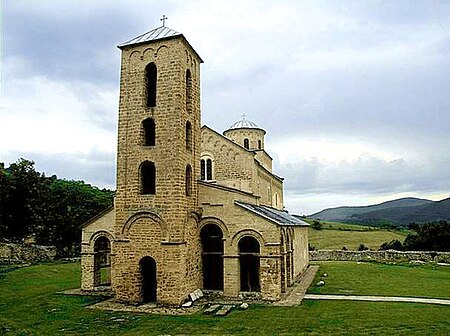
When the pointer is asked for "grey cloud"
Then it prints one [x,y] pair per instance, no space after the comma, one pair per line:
[95,167]
[367,175]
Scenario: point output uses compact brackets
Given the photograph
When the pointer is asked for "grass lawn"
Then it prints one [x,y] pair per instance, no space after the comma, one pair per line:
[331,239]
[29,306]
[353,278]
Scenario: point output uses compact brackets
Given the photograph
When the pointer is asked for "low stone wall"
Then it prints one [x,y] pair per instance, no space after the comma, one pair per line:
[389,255]
[17,253]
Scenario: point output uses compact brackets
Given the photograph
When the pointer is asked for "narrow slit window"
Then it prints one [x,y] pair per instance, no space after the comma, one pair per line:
[148,178]
[151,79]
[203,169]
[188,180]
[188,91]
[209,174]
[149,132]
[188,136]
[246,143]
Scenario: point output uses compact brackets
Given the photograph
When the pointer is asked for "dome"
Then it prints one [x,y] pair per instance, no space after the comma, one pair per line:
[244,123]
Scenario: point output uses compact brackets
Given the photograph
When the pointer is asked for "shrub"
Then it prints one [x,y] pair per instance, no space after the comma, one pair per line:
[392,245]
[362,247]
[316,225]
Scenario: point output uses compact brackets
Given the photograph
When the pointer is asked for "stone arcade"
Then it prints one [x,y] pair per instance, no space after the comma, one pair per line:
[193,208]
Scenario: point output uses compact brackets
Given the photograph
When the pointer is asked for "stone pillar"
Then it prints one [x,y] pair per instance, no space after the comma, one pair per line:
[87,271]
[231,276]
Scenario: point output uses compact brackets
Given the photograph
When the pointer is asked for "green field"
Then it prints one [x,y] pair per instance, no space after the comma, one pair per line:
[334,236]
[29,305]
[363,278]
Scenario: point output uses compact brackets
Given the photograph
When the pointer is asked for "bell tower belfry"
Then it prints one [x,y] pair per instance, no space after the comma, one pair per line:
[156,252]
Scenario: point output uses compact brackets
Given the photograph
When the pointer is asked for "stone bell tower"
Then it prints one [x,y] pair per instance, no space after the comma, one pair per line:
[156,252]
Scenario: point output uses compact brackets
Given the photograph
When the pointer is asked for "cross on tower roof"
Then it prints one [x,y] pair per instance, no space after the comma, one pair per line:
[243,116]
[164,18]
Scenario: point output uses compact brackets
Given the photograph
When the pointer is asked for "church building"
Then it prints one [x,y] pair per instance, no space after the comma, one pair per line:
[194,209]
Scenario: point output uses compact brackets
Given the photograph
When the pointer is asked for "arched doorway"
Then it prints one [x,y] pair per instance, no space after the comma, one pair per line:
[147,267]
[102,262]
[212,257]
[249,264]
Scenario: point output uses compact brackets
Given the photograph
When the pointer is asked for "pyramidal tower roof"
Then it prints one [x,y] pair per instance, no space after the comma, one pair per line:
[159,33]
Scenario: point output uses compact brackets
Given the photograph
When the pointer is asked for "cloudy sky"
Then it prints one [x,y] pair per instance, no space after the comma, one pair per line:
[354,95]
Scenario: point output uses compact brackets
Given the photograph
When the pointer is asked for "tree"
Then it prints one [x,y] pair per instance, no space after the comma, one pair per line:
[46,209]
[316,225]
[429,237]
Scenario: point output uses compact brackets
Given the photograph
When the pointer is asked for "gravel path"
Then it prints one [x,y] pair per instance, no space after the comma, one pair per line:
[376,298]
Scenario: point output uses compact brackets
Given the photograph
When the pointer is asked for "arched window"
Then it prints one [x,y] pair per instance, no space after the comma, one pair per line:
[149,132]
[206,169]
[102,261]
[188,136]
[246,143]
[209,169]
[148,178]
[259,144]
[188,180]
[151,79]
[203,169]
[188,91]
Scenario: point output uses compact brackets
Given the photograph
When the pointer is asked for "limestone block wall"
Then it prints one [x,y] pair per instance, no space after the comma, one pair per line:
[268,188]
[389,255]
[236,222]
[264,159]
[101,226]
[233,166]
[19,253]
[254,135]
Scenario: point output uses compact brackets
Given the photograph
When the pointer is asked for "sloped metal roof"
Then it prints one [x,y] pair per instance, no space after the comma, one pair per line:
[279,217]
[154,34]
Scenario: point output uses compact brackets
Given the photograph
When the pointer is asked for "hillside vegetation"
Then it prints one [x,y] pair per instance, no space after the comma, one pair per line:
[336,236]
[399,212]
[46,210]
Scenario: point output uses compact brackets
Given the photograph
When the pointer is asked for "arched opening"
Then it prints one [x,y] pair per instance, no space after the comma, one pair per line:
[259,144]
[147,268]
[188,91]
[148,178]
[206,169]
[249,264]
[149,132]
[209,174]
[246,143]
[102,261]
[188,136]
[212,256]
[188,180]
[151,79]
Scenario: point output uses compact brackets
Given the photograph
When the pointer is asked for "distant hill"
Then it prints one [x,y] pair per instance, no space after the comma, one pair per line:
[429,212]
[344,213]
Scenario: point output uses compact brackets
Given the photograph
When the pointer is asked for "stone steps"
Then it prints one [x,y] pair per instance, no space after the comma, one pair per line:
[224,310]
[211,310]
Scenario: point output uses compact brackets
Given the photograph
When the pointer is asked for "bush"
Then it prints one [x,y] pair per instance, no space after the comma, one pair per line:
[392,245]
[362,247]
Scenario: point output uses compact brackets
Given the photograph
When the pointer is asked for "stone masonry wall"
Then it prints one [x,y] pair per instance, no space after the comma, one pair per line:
[389,255]
[17,253]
